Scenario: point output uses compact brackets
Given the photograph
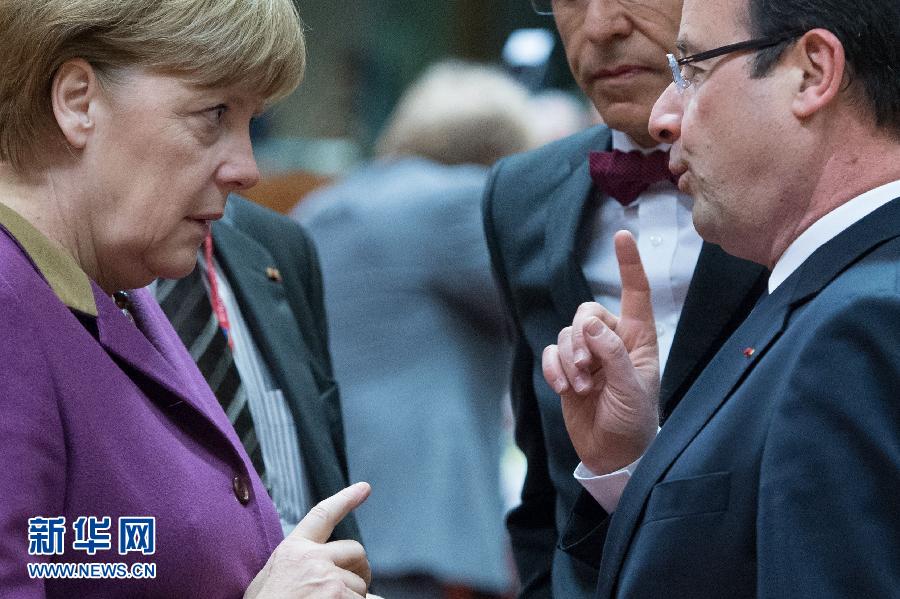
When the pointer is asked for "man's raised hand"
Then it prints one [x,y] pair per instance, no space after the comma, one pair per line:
[606,370]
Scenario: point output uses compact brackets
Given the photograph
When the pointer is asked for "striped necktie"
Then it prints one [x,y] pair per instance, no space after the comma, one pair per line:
[186,303]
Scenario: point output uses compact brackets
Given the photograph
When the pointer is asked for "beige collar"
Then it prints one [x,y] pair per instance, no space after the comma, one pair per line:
[68,281]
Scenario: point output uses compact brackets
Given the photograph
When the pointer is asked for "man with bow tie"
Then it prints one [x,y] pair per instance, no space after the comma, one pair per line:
[550,217]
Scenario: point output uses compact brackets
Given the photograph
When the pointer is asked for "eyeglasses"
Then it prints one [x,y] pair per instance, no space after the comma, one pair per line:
[683,76]
[545,7]
[542,7]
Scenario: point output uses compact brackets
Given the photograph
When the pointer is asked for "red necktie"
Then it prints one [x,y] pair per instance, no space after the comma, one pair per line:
[625,175]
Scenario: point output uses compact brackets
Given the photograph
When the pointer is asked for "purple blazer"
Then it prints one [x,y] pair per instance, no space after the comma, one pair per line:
[99,417]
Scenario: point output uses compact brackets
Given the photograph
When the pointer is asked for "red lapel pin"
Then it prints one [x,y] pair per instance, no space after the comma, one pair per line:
[273,273]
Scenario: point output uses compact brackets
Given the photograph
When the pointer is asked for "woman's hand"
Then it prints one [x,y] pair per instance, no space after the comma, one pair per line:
[306,565]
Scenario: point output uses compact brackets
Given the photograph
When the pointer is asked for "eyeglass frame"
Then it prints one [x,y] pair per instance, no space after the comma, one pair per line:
[538,10]
[757,44]
[544,12]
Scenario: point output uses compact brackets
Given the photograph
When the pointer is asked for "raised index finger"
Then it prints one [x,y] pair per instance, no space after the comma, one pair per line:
[319,523]
[636,302]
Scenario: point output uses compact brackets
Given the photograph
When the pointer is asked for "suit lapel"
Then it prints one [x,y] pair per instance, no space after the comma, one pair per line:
[265,307]
[706,395]
[261,299]
[122,339]
[572,197]
[735,284]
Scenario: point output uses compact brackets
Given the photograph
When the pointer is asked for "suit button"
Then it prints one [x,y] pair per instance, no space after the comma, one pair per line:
[241,488]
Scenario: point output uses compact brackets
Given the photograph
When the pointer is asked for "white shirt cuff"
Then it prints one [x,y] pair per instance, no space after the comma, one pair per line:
[606,489]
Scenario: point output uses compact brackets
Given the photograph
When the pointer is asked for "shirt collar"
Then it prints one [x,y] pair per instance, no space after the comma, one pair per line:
[624,143]
[828,227]
[70,284]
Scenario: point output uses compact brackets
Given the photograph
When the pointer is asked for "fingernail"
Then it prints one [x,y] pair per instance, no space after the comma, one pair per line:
[581,356]
[594,328]
[361,489]
[581,384]
[560,385]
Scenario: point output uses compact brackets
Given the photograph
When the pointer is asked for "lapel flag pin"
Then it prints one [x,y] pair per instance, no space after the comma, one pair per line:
[273,273]
[748,353]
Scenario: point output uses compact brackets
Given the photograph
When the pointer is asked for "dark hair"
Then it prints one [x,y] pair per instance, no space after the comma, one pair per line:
[869,31]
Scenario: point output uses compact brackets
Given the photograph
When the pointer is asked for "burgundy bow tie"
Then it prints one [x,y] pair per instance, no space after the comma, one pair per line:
[625,175]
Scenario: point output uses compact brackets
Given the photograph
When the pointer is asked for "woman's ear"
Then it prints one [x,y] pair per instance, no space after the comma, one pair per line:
[820,55]
[74,93]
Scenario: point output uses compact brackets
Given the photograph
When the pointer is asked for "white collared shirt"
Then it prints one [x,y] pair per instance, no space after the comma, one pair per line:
[660,220]
[607,489]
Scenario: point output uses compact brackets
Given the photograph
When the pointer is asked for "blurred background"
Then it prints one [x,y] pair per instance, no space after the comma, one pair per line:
[361,57]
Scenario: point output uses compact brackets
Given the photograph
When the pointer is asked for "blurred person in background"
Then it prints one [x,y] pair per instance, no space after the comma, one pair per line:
[124,125]
[418,334]
[556,114]
[550,215]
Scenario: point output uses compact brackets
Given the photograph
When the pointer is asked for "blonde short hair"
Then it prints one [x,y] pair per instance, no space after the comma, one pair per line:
[209,42]
[458,113]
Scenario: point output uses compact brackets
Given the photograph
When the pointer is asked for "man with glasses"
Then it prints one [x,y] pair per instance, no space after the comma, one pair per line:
[778,474]
[550,218]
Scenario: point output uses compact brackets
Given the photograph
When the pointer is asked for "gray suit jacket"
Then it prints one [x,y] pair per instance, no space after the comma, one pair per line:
[421,353]
[535,205]
[287,321]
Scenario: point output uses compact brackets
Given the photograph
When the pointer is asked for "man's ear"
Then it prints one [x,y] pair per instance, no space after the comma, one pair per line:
[820,55]
[74,94]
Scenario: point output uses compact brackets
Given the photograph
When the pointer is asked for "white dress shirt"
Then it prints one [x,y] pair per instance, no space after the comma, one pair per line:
[607,489]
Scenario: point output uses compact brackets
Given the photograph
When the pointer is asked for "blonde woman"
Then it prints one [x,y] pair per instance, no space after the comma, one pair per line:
[123,128]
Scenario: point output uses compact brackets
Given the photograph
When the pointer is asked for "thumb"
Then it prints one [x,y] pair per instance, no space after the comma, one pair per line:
[319,523]
[636,304]
[611,350]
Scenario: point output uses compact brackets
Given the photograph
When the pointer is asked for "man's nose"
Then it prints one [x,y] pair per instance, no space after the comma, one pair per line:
[665,118]
[605,20]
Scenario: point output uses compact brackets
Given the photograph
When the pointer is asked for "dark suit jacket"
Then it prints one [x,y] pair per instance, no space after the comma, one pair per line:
[778,474]
[288,324]
[534,208]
